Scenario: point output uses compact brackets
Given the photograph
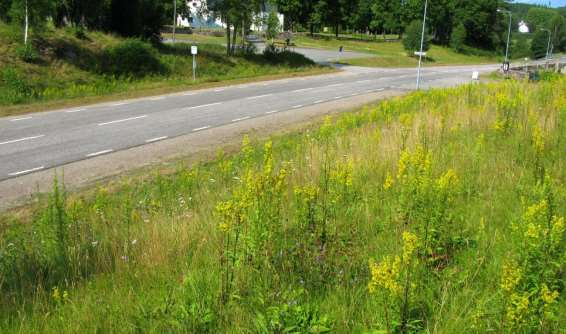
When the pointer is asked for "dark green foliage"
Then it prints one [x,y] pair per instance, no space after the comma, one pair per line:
[458,38]
[285,57]
[15,87]
[412,40]
[27,53]
[520,48]
[132,58]
[539,44]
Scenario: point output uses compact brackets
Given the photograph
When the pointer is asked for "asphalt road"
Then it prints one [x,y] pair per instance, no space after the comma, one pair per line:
[38,141]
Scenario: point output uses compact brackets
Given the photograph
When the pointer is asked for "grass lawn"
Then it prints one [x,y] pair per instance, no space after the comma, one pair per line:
[390,54]
[441,211]
[73,71]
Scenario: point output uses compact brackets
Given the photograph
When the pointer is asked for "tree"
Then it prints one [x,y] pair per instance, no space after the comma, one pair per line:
[458,38]
[30,14]
[539,17]
[273,26]
[484,26]
[387,16]
[558,28]
[412,40]
[539,44]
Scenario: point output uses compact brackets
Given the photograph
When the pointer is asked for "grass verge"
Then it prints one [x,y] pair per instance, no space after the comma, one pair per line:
[439,211]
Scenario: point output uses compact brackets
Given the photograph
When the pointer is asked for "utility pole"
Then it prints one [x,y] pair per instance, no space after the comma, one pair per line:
[422,44]
[547,57]
[174,18]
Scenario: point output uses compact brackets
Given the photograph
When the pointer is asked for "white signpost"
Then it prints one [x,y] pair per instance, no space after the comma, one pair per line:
[420,54]
[194,52]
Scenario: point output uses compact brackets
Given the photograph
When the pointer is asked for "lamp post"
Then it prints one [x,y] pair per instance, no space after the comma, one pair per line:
[548,45]
[422,44]
[508,33]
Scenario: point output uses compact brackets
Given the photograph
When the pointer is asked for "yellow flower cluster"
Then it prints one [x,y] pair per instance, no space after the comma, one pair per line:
[549,298]
[419,162]
[446,181]
[388,182]
[511,277]
[538,140]
[385,275]
[517,309]
[344,174]
[410,244]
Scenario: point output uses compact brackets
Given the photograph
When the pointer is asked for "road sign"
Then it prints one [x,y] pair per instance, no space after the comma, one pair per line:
[475,76]
[505,66]
[194,50]
[417,53]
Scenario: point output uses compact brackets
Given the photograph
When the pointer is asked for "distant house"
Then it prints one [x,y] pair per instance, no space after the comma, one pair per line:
[201,18]
[523,27]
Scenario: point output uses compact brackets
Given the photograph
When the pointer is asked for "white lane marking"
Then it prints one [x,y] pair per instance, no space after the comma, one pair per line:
[119,104]
[159,98]
[189,94]
[353,94]
[27,171]
[20,119]
[302,90]
[319,101]
[21,139]
[258,97]
[219,90]
[98,153]
[265,84]
[122,120]
[205,105]
[203,128]
[361,81]
[380,89]
[153,140]
[243,86]
[240,119]
[74,110]
[338,97]
[297,106]
[335,85]
[271,112]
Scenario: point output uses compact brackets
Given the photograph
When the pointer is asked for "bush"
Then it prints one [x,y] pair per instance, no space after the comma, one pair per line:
[132,58]
[458,38]
[412,40]
[284,57]
[27,53]
[13,87]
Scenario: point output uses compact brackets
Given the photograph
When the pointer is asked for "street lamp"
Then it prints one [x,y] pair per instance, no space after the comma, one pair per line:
[509,32]
[422,44]
[548,45]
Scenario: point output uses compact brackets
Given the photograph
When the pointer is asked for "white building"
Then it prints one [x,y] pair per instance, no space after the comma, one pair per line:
[200,17]
[523,28]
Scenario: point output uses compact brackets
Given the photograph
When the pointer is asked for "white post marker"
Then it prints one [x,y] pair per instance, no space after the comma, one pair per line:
[476,76]
[194,52]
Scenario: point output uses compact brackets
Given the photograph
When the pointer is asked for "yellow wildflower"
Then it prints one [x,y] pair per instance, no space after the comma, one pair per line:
[55,294]
[388,182]
[385,275]
[511,277]
[517,308]
[410,244]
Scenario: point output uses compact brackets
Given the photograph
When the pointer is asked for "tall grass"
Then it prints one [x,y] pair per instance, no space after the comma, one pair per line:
[453,197]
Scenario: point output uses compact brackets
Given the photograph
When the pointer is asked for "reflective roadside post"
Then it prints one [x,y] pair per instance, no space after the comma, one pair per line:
[194,51]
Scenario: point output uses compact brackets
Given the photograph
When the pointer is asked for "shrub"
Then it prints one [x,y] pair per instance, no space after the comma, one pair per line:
[132,58]
[458,38]
[412,40]
[284,57]
[27,53]
[13,88]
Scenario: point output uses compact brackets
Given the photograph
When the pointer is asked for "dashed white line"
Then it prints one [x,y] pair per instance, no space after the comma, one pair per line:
[335,85]
[159,98]
[153,140]
[95,154]
[258,97]
[361,81]
[205,105]
[119,104]
[240,119]
[21,139]
[297,106]
[189,94]
[319,101]
[302,90]
[122,120]
[353,94]
[74,110]
[271,112]
[27,171]
[203,128]
[219,90]
[338,97]
[20,119]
